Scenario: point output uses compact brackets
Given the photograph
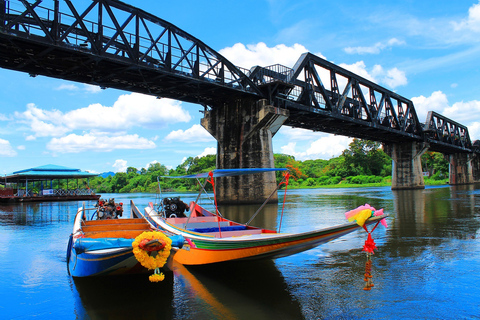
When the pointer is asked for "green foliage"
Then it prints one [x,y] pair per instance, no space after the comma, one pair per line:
[363,163]
[435,164]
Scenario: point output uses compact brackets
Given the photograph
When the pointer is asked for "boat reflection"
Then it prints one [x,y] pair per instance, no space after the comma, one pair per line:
[123,297]
[240,290]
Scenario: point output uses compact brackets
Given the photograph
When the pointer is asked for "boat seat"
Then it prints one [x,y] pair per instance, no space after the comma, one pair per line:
[191,226]
[114,228]
[215,229]
[191,220]
[127,234]
[235,233]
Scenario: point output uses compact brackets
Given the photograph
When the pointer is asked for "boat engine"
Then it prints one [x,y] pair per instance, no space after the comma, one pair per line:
[109,209]
[174,207]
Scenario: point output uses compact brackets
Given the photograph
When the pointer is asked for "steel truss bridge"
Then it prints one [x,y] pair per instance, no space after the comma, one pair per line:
[114,45]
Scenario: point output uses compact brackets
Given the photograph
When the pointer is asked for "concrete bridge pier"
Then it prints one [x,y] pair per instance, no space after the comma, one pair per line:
[461,171]
[244,131]
[475,168]
[407,164]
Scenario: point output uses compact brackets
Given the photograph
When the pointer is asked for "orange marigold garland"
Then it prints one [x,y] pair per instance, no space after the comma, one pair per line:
[369,248]
[368,274]
[144,248]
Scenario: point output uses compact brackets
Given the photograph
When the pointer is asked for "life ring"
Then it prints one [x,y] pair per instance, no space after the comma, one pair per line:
[173,215]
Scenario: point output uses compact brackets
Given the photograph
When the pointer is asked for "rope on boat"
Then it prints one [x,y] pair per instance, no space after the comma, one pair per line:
[265,202]
[287,177]
[212,181]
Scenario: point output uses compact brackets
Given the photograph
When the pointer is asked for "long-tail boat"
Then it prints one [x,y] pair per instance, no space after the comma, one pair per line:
[212,238]
[103,244]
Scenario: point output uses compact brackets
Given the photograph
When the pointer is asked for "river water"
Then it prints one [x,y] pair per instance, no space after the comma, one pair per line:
[426,265]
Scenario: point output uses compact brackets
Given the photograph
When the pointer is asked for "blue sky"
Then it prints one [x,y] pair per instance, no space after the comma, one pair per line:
[427,51]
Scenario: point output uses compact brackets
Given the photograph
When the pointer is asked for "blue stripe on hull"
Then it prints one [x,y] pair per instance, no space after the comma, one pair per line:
[104,262]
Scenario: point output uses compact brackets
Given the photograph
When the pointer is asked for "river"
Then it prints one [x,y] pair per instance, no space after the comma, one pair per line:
[426,265]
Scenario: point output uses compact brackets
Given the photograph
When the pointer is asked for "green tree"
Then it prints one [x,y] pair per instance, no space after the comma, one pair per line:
[435,164]
[365,157]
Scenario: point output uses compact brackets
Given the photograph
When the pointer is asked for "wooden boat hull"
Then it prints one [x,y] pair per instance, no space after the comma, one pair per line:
[103,262]
[104,247]
[208,249]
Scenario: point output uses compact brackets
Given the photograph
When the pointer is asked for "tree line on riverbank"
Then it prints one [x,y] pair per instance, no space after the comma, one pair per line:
[363,164]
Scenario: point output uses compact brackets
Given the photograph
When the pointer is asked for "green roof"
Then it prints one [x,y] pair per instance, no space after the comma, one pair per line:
[49,171]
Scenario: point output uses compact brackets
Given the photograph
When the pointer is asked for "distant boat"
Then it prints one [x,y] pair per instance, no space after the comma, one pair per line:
[103,246]
[213,238]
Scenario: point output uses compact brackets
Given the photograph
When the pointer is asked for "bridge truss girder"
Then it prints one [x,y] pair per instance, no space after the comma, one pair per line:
[446,135]
[325,97]
[112,44]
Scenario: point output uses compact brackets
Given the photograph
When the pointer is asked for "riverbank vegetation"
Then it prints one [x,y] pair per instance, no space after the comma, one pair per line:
[363,164]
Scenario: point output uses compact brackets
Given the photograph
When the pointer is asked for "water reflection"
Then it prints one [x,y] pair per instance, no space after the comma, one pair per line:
[266,217]
[426,265]
[37,213]
[435,214]
[121,297]
[247,290]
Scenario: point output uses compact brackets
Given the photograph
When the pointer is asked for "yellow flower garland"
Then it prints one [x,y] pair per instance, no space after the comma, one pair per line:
[149,261]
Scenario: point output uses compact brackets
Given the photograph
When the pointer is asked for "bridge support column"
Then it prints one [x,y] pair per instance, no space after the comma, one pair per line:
[475,168]
[461,171]
[244,131]
[407,164]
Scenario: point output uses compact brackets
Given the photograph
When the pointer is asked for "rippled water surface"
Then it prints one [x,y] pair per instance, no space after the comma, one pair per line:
[426,265]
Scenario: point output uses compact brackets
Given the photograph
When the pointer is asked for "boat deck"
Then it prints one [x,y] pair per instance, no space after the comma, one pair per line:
[115,228]
[209,226]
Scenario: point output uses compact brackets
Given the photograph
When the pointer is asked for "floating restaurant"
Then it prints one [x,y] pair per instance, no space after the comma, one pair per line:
[44,184]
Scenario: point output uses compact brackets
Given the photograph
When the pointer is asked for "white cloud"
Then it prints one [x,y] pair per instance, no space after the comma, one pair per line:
[474,131]
[196,133]
[392,77]
[6,149]
[261,55]
[91,88]
[151,163]
[67,86]
[298,134]
[128,111]
[72,87]
[21,147]
[472,22]
[326,147]
[207,151]
[359,68]
[4,117]
[437,102]
[74,143]
[376,48]
[43,123]
[120,165]
[463,112]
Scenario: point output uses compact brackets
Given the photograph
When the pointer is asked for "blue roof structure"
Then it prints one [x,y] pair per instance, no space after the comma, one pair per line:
[49,171]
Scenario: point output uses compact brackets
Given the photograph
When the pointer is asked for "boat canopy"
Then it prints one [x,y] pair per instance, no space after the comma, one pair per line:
[229,172]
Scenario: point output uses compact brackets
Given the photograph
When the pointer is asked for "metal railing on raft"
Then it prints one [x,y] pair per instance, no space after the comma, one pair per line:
[55,192]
